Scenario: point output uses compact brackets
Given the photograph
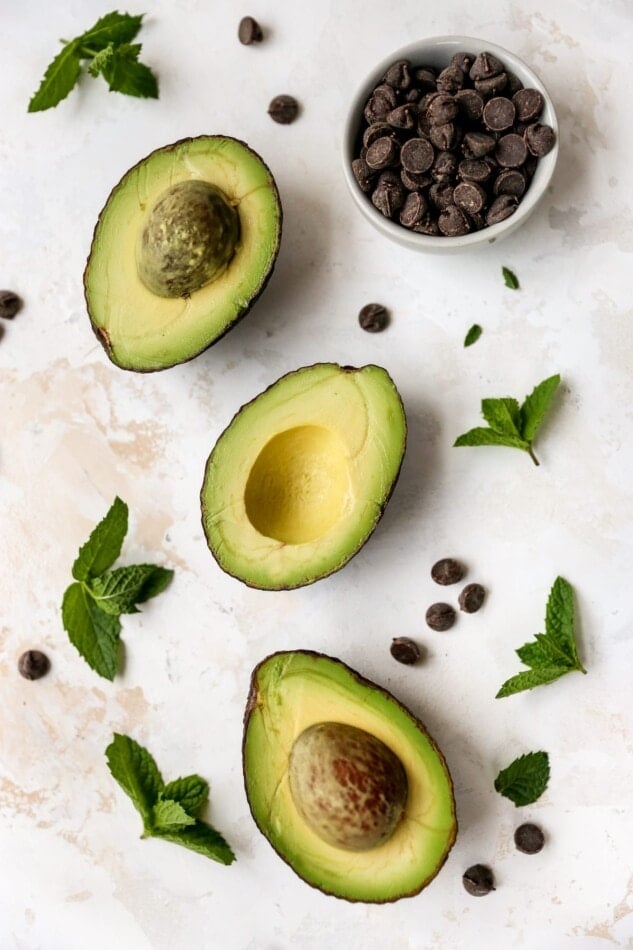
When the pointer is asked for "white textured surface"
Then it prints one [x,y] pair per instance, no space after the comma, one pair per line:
[76,431]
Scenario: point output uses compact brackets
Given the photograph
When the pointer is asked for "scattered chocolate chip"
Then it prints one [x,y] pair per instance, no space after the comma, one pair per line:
[416,156]
[283,109]
[373,317]
[382,153]
[528,104]
[511,150]
[405,650]
[10,304]
[249,31]
[33,664]
[501,208]
[478,880]
[447,571]
[440,617]
[499,114]
[471,598]
[529,838]
[539,139]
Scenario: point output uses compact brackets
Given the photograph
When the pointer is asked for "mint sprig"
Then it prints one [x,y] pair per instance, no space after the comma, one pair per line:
[168,811]
[553,653]
[525,779]
[107,47]
[93,604]
[510,424]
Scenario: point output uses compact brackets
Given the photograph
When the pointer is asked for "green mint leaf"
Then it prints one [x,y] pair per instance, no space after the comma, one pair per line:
[94,633]
[113,28]
[119,591]
[59,79]
[528,679]
[125,74]
[559,621]
[543,651]
[481,436]
[104,544]
[502,415]
[473,335]
[136,772]
[510,279]
[170,816]
[191,792]
[536,405]
[203,839]
[525,779]
[101,60]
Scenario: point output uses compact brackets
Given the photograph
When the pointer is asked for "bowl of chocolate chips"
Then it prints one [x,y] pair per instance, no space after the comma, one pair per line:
[450,143]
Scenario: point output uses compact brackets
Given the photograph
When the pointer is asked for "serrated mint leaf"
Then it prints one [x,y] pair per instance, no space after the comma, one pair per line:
[502,415]
[203,839]
[191,792]
[101,60]
[559,621]
[529,679]
[136,772]
[473,335]
[95,634]
[59,79]
[169,815]
[510,279]
[112,28]
[119,591]
[482,436]
[536,405]
[525,779]
[543,651]
[125,74]
[104,544]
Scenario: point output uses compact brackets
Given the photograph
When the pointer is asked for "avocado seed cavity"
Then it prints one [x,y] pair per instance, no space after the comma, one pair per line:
[349,787]
[188,238]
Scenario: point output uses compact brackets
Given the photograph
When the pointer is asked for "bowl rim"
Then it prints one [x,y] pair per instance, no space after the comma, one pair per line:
[419,49]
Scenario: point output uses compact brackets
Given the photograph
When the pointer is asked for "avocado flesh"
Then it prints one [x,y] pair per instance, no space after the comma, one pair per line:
[292,691]
[142,330]
[297,482]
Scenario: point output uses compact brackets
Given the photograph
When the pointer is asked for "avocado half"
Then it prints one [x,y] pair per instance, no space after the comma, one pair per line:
[290,693]
[184,246]
[300,477]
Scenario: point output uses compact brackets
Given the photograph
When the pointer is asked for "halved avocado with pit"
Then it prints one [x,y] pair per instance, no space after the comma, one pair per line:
[185,244]
[299,479]
[344,781]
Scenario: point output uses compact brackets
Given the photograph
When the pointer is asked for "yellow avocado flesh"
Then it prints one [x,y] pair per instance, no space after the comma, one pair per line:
[298,480]
[142,330]
[292,691]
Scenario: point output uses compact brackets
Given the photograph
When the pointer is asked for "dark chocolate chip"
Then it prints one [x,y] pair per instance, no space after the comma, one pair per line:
[540,139]
[363,174]
[429,227]
[376,109]
[478,880]
[415,210]
[513,84]
[501,208]
[10,304]
[471,598]
[453,222]
[413,181]
[499,114]
[444,167]
[375,131]
[283,109]
[444,137]
[249,31]
[450,79]
[373,317]
[477,221]
[382,153]
[528,104]
[510,181]
[478,144]
[441,194]
[470,197]
[470,103]
[463,60]
[492,86]
[485,66]
[388,93]
[529,838]
[417,155]
[403,117]
[399,74]
[475,169]
[440,616]
[33,664]
[425,78]
[447,571]
[405,650]
[442,108]
[511,150]
[388,195]
[412,95]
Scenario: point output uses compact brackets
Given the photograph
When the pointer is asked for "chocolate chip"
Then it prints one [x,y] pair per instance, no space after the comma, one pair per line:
[412,95]
[470,103]
[501,208]
[403,117]
[510,181]
[529,838]
[447,571]
[485,66]
[478,880]
[440,616]
[499,114]
[444,136]
[399,74]
[283,109]
[513,84]
[382,153]
[413,181]
[425,78]
[475,169]
[528,104]
[415,210]
[511,150]
[10,304]
[373,317]
[376,109]
[442,108]
[429,227]
[33,664]
[417,155]
[492,86]
[441,194]
[388,93]
[471,598]
[450,79]
[470,197]
[404,650]
[363,174]
[375,131]
[388,195]
[540,139]
[463,60]
[249,31]
[478,144]
[444,167]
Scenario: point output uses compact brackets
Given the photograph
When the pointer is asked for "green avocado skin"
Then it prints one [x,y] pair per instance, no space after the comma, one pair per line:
[265,711]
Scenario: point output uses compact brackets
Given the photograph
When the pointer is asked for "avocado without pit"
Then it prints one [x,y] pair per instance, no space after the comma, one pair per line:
[298,480]
[184,246]
[344,782]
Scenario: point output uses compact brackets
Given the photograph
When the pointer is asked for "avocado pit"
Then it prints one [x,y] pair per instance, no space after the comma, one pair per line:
[189,236]
[349,787]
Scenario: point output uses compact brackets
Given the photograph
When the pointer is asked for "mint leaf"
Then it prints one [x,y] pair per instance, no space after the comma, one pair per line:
[59,79]
[510,279]
[473,335]
[136,772]
[528,679]
[191,792]
[94,633]
[482,436]
[536,405]
[104,544]
[168,815]
[559,620]
[525,779]
[112,28]
[125,74]
[119,591]
[502,415]
[201,838]
[101,60]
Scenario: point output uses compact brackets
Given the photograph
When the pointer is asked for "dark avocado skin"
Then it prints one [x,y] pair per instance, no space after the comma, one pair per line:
[251,704]
[379,514]
[101,334]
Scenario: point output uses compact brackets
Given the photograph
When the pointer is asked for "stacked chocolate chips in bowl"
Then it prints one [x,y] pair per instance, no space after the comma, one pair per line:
[450,144]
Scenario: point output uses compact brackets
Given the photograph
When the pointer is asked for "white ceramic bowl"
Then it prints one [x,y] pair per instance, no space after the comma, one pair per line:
[437,51]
